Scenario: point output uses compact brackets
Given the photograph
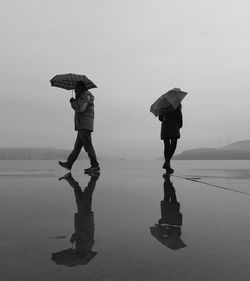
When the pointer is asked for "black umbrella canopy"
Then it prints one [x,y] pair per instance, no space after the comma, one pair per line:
[70,257]
[68,81]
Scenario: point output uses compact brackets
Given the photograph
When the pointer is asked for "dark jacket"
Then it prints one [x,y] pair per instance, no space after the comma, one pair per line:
[171,124]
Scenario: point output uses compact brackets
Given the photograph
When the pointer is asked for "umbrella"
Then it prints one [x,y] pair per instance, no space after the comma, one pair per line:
[172,239]
[167,102]
[69,80]
[69,257]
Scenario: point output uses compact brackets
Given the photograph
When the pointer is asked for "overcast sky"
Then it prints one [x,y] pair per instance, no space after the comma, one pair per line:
[134,50]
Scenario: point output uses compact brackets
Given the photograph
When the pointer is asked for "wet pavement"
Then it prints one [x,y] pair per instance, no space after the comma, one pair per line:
[129,223]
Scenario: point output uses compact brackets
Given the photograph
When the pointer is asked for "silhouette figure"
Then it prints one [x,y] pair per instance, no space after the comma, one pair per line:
[170,133]
[83,105]
[168,229]
[83,237]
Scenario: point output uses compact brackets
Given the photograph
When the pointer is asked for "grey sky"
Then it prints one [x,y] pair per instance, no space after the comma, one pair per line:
[134,50]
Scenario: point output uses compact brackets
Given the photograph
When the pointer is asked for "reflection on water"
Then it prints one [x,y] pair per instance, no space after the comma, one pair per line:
[168,229]
[83,238]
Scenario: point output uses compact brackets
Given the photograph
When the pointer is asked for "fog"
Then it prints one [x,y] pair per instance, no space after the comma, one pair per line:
[134,51]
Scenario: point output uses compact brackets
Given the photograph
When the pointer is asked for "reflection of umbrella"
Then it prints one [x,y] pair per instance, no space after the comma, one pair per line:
[167,102]
[69,80]
[168,236]
[69,257]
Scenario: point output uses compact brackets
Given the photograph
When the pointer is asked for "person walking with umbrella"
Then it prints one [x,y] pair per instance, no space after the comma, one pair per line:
[171,122]
[168,109]
[83,105]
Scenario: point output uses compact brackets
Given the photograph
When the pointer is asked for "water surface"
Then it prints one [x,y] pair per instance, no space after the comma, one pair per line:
[133,230]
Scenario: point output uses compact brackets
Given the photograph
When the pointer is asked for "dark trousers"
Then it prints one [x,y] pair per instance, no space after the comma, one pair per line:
[169,192]
[83,198]
[84,140]
[169,149]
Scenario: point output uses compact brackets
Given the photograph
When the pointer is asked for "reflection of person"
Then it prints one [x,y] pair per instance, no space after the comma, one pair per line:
[170,132]
[83,237]
[83,105]
[168,229]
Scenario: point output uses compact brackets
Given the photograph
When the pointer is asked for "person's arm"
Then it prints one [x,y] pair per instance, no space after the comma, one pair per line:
[79,105]
[162,117]
[180,119]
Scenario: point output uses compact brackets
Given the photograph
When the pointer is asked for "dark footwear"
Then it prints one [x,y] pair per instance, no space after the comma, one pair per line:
[169,171]
[92,170]
[166,176]
[94,176]
[65,165]
[66,176]
[86,169]
[166,165]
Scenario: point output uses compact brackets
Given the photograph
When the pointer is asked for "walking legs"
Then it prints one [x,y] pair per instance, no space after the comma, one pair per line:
[169,149]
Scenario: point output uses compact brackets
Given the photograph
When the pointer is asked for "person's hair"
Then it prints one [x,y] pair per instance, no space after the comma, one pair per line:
[80,86]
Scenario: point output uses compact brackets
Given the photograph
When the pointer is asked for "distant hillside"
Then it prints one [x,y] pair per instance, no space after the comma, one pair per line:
[234,151]
[35,154]
[239,145]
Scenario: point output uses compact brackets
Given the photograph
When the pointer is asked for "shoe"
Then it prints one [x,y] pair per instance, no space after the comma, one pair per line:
[94,176]
[166,165]
[65,165]
[92,170]
[66,176]
[169,171]
[166,176]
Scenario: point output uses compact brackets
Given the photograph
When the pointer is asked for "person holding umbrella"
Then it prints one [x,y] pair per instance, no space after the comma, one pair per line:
[168,109]
[83,105]
[171,122]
